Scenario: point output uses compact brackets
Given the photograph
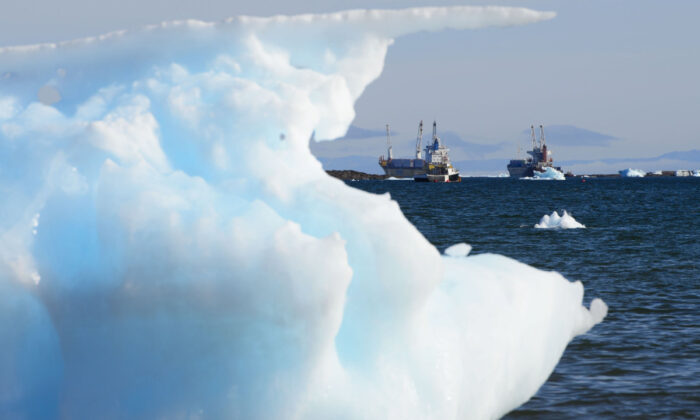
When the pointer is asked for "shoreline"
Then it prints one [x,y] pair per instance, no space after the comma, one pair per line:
[350,175]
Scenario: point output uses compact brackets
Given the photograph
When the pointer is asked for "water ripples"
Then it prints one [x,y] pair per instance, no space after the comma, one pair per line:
[640,253]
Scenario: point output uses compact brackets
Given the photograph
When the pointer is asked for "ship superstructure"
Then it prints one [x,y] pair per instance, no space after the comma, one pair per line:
[439,167]
[540,158]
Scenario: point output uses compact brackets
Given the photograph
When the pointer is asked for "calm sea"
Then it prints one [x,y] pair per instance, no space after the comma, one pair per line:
[640,253]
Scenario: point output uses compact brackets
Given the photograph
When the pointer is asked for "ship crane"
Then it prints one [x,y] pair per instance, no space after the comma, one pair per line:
[435,137]
[542,143]
[532,135]
[419,140]
[390,155]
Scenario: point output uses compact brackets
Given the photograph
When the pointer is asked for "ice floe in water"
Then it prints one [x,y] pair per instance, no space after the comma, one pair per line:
[632,173]
[554,221]
[193,259]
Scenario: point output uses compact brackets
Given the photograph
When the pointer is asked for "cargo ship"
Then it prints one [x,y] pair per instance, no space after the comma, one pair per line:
[436,166]
[540,158]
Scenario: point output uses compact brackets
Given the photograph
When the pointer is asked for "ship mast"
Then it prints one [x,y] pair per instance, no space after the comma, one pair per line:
[419,140]
[388,143]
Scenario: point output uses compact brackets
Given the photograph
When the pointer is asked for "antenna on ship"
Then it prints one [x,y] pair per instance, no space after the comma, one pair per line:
[532,135]
[388,143]
[419,140]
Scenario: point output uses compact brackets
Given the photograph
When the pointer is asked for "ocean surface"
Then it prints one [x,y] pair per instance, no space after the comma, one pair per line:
[640,253]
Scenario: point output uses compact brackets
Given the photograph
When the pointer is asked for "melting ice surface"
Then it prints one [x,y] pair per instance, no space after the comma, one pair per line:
[554,221]
[169,247]
[632,173]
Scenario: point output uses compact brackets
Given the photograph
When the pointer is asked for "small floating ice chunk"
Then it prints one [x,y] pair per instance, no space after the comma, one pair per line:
[458,250]
[632,173]
[554,221]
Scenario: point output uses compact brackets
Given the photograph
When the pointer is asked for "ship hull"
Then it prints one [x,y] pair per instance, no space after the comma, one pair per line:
[428,177]
[526,171]
[403,172]
[520,171]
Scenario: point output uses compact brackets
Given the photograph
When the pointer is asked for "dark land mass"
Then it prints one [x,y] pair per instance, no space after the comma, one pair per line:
[347,175]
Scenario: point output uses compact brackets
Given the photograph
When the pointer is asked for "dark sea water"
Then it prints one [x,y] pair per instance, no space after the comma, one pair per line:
[640,253]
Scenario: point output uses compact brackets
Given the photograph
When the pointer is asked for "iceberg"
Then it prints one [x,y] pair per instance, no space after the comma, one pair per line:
[632,173]
[554,221]
[549,173]
[169,247]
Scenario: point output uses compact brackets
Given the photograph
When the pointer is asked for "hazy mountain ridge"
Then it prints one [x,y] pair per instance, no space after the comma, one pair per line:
[360,148]
[569,135]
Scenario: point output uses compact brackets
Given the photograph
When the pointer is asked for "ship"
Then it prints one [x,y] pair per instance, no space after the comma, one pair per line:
[435,167]
[403,168]
[540,158]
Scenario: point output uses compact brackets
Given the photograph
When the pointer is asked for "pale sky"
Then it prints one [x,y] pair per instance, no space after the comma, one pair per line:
[624,68]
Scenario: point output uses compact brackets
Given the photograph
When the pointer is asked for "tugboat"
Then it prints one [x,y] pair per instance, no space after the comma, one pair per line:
[540,158]
[439,167]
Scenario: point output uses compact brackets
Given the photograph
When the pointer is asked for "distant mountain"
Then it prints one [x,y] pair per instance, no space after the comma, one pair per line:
[355,132]
[692,156]
[469,149]
[360,142]
[366,164]
[360,148]
[569,135]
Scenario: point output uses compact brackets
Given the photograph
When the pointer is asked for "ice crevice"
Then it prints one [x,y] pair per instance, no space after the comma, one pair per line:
[169,247]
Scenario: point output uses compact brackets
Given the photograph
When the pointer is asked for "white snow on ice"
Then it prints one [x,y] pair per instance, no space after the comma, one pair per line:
[554,221]
[632,173]
[193,259]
